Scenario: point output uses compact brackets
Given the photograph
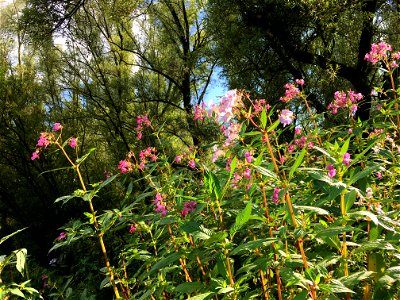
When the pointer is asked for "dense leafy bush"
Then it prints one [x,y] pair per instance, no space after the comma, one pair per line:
[254,214]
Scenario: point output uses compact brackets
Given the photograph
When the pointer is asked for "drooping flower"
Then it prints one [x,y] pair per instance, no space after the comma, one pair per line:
[43,140]
[331,170]
[188,207]
[346,159]
[57,126]
[286,117]
[63,235]
[72,143]
[124,166]
[192,164]
[34,155]
[247,173]
[275,196]
[249,156]
[132,228]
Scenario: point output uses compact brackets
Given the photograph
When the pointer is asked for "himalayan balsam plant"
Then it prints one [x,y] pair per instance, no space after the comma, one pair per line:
[257,216]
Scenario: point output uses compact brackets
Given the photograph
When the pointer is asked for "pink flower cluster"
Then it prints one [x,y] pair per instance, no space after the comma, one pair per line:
[217,153]
[224,111]
[145,154]
[249,156]
[125,166]
[188,207]
[199,112]
[275,196]
[378,52]
[132,228]
[286,117]
[141,120]
[188,157]
[331,170]
[343,100]
[346,159]
[259,105]
[160,207]
[231,132]
[300,143]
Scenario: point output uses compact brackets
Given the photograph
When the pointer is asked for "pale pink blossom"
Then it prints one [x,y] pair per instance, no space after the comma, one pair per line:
[72,143]
[286,117]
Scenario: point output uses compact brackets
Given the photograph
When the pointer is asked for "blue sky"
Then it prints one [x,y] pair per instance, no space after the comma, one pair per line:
[217,88]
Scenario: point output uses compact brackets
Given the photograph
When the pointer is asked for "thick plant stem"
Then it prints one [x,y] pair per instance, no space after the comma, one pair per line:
[292,216]
[96,226]
[228,263]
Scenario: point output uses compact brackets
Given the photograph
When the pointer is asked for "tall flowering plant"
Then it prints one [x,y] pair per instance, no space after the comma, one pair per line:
[315,217]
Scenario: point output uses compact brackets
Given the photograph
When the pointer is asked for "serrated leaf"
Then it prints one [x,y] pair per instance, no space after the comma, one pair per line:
[83,158]
[251,245]
[3,239]
[189,287]
[21,259]
[265,171]
[317,210]
[362,174]
[201,296]
[242,218]
[263,119]
[273,126]
[355,278]
[334,231]
[298,162]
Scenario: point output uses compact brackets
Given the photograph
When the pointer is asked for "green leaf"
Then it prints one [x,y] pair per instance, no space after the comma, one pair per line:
[265,171]
[242,218]
[189,287]
[165,261]
[317,210]
[251,245]
[345,147]
[3,239]
[323,151]
[17,292]
[107,181]
[355,278]
[232,166]
[83,158]
[334,231]
[263,119]
[349,199]
[273,126]
[362,174]
[64,199]
[367,214]
[298,162]
[21,259]
[201,296]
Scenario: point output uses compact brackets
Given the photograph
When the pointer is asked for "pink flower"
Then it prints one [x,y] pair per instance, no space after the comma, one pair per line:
[192,164]
[139,136]
[331,170]
[158,198]
[161,209]
[379,175]
[63,235]
[57,126]
[350,131]
[43,141]
[178,159]
[132,228]
[34,155]
[346,159]
[290,93]
[247,173]
[73,143]
[291,148]
[188,207]
[378,52]
[310,145]
[275,196]
[297,131]
[282,159]
[228,165]
[299,81]
[286,117]
[248,156]
[124,166]
[199,113]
